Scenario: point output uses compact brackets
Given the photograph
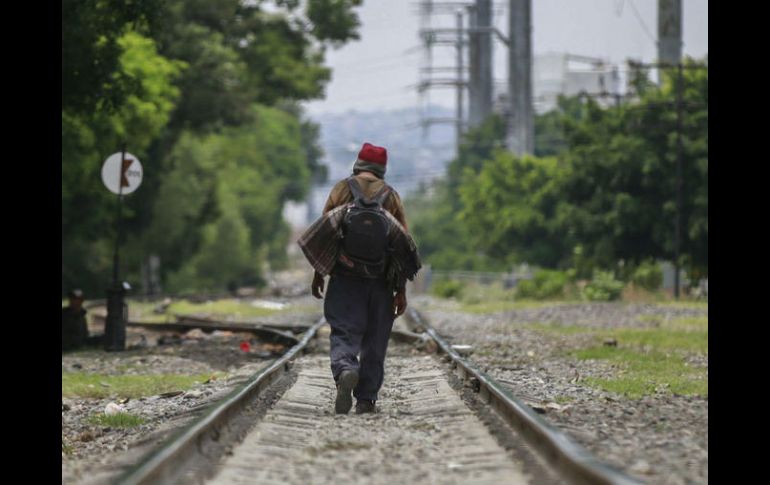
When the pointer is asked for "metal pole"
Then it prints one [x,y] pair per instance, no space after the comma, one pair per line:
[459,45]
[484,16]
[426,10]
[480,62]
[669,31]
[115,325]
[521,127]
[474,74]
[679,181]
[115,258]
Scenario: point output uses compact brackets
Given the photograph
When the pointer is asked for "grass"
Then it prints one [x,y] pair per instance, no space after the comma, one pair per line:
[662,339]
[231,307]
[80,384]
[650,359]
[144,311]
[142,308]
[478,298]
[698,324]
[646,373]
[117,420]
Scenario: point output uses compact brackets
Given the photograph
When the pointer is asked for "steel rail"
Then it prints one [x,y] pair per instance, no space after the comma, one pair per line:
[166,463]
[194,319]
[271,334]
[571,460]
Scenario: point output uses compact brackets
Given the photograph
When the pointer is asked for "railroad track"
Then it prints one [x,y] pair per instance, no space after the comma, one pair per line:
[424,431]
[270,333]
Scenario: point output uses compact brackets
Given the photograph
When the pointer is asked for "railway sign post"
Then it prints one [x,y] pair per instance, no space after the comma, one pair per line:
[121,174]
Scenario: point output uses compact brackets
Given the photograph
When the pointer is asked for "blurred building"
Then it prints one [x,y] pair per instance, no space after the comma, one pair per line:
[556,74]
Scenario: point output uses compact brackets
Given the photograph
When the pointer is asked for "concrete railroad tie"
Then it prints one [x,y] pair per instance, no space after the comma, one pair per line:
[423,433]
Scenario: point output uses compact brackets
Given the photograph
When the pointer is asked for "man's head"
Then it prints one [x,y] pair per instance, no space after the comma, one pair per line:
[76,299]
[371,159]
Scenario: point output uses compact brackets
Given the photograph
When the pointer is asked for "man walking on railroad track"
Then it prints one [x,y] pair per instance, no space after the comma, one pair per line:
[362,241]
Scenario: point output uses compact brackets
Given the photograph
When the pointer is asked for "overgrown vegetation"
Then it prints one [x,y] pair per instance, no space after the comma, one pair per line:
[599,194]
[648,360]
[641,373]
[642,285]
[98,386]
[117,420]
[484,298]
[221,307]
[603,287]
[206,95]
[447,289]
[545,285]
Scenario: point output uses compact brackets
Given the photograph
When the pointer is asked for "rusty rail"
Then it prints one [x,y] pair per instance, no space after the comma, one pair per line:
[268,334]
[568,458]
[166,463]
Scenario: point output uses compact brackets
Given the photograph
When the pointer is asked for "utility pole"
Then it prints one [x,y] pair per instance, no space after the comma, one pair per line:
[481,29]
[679,181]
[442,76]
[669,31]
[480,62]
[670,54]
[521,126]
[460,84]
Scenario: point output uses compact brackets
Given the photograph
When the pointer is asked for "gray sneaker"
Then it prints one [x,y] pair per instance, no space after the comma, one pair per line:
[365,406]
[345,384]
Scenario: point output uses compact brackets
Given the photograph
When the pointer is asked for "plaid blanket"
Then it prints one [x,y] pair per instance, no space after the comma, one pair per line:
[321,244]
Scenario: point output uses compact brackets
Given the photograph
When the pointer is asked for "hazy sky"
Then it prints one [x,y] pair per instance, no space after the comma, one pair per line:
[380,70]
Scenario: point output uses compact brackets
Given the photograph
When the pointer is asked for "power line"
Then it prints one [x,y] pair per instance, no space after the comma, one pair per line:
[404,90]
[364,62]
[641,21]
[368,71]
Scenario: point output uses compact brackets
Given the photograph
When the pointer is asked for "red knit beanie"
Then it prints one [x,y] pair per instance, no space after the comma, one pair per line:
[372,159]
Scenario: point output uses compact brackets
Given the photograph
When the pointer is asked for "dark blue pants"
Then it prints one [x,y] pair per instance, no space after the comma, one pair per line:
[360,313]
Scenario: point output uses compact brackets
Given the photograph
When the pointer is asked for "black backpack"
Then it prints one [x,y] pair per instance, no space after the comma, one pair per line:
[365,233]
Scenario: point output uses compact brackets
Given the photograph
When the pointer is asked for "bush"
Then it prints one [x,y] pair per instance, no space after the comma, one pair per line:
[603,287]
[648,275]
[447,289]
[546,284]
[475,293]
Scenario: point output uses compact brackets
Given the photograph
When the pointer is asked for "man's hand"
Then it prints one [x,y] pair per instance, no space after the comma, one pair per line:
[317,287]
[399,303]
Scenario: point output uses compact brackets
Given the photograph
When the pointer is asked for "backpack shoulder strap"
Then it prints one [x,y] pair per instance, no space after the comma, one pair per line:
[355,189]
[382,195]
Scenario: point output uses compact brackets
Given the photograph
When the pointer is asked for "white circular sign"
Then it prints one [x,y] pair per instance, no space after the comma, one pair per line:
[122,176]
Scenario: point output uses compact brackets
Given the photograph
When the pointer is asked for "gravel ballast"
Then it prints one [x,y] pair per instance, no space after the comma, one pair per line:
[95,453]
[659,438]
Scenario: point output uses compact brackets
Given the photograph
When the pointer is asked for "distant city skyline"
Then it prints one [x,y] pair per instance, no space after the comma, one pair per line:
[379,71]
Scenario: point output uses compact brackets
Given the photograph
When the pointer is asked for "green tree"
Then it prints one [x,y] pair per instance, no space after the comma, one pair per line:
[91,51]
[444,239]
[514,210]
[242,174]
[605,194]
[207,100]
[622,188]
[87,207]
